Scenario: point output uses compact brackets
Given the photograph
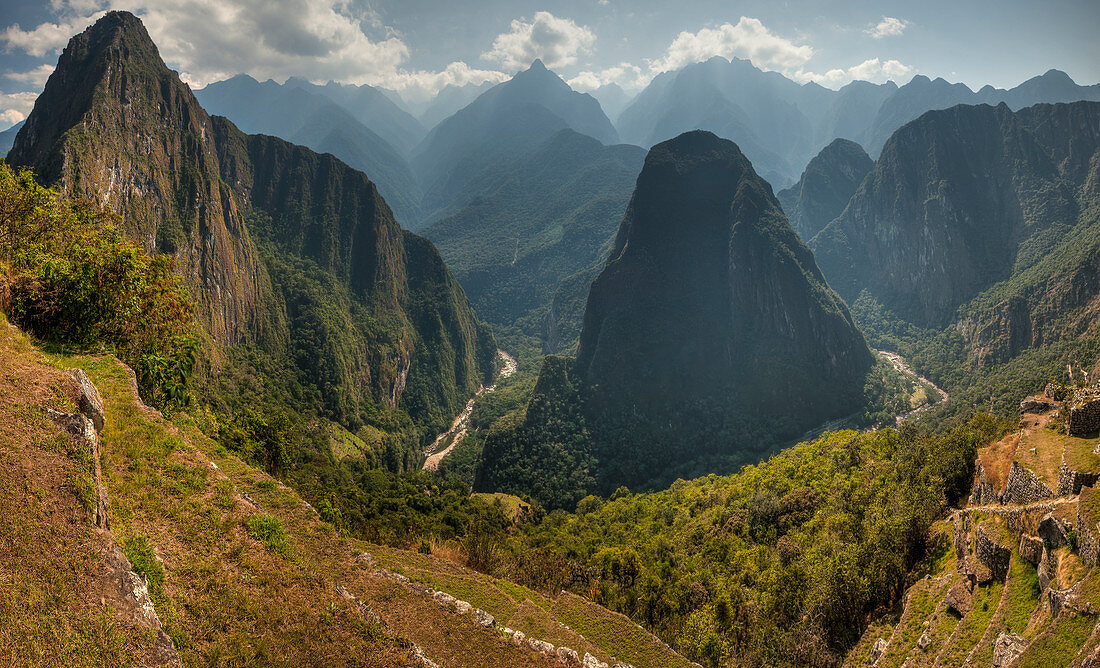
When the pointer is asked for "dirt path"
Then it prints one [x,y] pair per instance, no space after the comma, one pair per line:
[457,432]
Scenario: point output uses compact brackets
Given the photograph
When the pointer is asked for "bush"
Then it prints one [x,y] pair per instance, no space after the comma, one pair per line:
[68,277]
[270,531]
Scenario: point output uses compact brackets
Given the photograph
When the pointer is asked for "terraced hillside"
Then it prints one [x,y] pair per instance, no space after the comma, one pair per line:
[1014,581]
[138,541]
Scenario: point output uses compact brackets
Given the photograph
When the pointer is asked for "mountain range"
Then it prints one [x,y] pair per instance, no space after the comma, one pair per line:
[373,136]
[305,283]
[781,124]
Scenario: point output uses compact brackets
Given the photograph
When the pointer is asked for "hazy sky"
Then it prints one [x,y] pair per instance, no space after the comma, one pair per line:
[418,46]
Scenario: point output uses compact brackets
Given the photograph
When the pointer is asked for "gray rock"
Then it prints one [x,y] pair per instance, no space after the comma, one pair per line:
[444,598]
[1037,405]
[518,637]
[462,607]
[568,657]
[1006,648]
[590,661]
[924,641]
[91,404]
[960,597]
[482,618]
[540,646]
[878,650]
[1051,531]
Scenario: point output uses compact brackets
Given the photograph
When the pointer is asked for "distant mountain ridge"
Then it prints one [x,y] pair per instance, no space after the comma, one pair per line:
[306,114]
[509,119]
[825,187]
[294,258]
[540,219]
[781,124]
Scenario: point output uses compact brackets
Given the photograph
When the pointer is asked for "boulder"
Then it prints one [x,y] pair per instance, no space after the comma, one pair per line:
[540,646]
[91,404]
[590,661]
[482,618]
[924,641]
[878,650]
[518,637]
[1031,548]
[462,607]
[1006,648]
[1051,532]
[960,597]
[444,598]
[568,657]
[1037,405]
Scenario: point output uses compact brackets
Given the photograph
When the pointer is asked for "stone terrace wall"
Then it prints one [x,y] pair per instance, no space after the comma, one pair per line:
[1088,542]
[1070,481]
[1024,486]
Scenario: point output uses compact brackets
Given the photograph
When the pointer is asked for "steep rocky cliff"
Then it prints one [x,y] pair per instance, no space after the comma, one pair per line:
[709,296]
[710,335]
[289,254]
[115,125]
[825,187]
[978,216]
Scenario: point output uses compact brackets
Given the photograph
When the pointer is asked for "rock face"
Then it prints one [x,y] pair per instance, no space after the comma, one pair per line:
[116,126]
[710,308]
[829,181]
[387,326]
[1006,648]
[949,210]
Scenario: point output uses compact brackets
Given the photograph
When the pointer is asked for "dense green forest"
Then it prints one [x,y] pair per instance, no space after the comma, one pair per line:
[782,563]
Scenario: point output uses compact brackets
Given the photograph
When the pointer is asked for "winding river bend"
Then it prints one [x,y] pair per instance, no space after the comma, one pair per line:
[457,431]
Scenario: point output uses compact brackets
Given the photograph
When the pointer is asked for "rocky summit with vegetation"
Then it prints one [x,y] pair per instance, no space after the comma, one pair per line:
[708,318]
[248,419]
[309,296]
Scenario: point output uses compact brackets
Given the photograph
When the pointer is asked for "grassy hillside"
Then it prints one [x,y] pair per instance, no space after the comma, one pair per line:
[241,571]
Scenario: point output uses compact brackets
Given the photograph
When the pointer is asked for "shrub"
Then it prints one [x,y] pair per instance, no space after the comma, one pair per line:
[69,278]
[270,531]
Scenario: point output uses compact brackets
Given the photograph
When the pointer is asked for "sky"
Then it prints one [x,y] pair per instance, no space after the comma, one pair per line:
[417,47]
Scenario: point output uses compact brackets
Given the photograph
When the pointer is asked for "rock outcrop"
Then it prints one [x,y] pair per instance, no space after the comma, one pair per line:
[828,182]
[711,311]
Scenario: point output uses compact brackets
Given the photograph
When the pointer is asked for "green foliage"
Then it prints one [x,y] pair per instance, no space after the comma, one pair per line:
[139,551]
[775,565]
[67,276]
[270,531]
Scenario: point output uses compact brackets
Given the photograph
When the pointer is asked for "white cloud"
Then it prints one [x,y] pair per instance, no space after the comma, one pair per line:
[36,77]
[887,27]
[421,85]
[873,70]
[630,77]
[208,40]
[14,107]
[10,117]
[47,38]
[556,41]
[748,39]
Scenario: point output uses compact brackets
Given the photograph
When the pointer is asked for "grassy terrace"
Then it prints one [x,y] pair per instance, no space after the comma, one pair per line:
[233,584]
[49,614]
